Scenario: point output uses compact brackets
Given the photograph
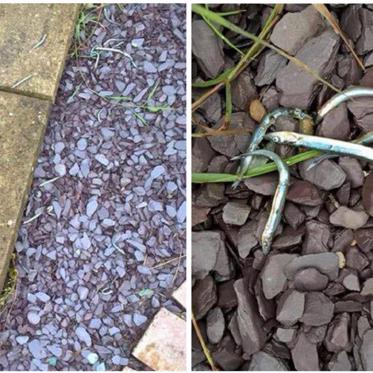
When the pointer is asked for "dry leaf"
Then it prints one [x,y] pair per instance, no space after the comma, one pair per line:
[257,110]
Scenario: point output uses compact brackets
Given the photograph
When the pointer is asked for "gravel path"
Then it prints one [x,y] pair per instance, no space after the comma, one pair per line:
[87,285]
[307,305]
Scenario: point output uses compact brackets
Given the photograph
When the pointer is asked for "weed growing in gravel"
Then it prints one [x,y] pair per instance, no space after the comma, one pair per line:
[10,284]
[260,43]
[214,19]
[146,106]
[225,79]
[89,14]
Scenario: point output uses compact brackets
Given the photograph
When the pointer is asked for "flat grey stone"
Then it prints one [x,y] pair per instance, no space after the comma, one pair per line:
[290,307]
[83,335]
[215,325]
[327,175]
[326,263]
[207,48]
[273,274]
[263,361]
[236,213]
[243,91]
[366,350]
[294,29]
[365,42]
[249,322]
[36,349]
[348,218]
[33,318]
[297,86]
[269,65]
[149,67]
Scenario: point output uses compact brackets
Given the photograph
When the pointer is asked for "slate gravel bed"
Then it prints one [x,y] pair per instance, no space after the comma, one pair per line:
[308,304]
[92,270]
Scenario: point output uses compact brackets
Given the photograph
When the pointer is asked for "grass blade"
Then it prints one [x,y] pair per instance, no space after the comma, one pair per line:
[203,12]
[231,13]
[324,11]
[211,82]
[228,105]
[152,92]
[257,47]
[202,177]
[222,37]
[205,349]
[253,51]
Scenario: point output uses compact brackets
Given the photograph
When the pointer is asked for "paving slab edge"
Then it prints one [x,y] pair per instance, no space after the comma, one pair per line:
[77,8]
[9,249]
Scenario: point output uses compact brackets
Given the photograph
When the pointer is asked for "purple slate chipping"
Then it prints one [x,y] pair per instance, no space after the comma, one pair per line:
[82,251]
[249,323]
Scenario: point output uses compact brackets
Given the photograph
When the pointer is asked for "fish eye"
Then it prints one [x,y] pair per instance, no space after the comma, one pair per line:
[276,138]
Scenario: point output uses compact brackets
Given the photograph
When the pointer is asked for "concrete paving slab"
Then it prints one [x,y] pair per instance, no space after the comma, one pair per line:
[163,346]
[22,125]
[180,294]
[22,28]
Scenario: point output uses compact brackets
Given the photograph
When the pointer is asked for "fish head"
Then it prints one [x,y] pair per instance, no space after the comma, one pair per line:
[274,137]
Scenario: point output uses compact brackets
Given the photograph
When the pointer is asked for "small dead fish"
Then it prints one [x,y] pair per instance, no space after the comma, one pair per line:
[278,199]
[259,133]
[345,95]
[322,143]
[363,140]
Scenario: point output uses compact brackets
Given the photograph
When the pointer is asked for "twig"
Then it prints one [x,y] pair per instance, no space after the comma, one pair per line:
[324,11]
[167,262]
[205,349]
[253,51]
[40,42]
[114,50]
[99,115]
[232,27]
[113,39]
[49,209]
[177,268]
[213,132]
[116,247]
[108,18]
[74,93]
[49,181]
[16,84]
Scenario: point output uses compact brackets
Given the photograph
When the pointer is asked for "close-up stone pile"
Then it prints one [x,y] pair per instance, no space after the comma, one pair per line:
[306,305]
[141,190]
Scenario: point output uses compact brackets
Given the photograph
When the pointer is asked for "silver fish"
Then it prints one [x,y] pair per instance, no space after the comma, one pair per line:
[258,135]
[322,143]
[278,199]
[345,95]
[363,140]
